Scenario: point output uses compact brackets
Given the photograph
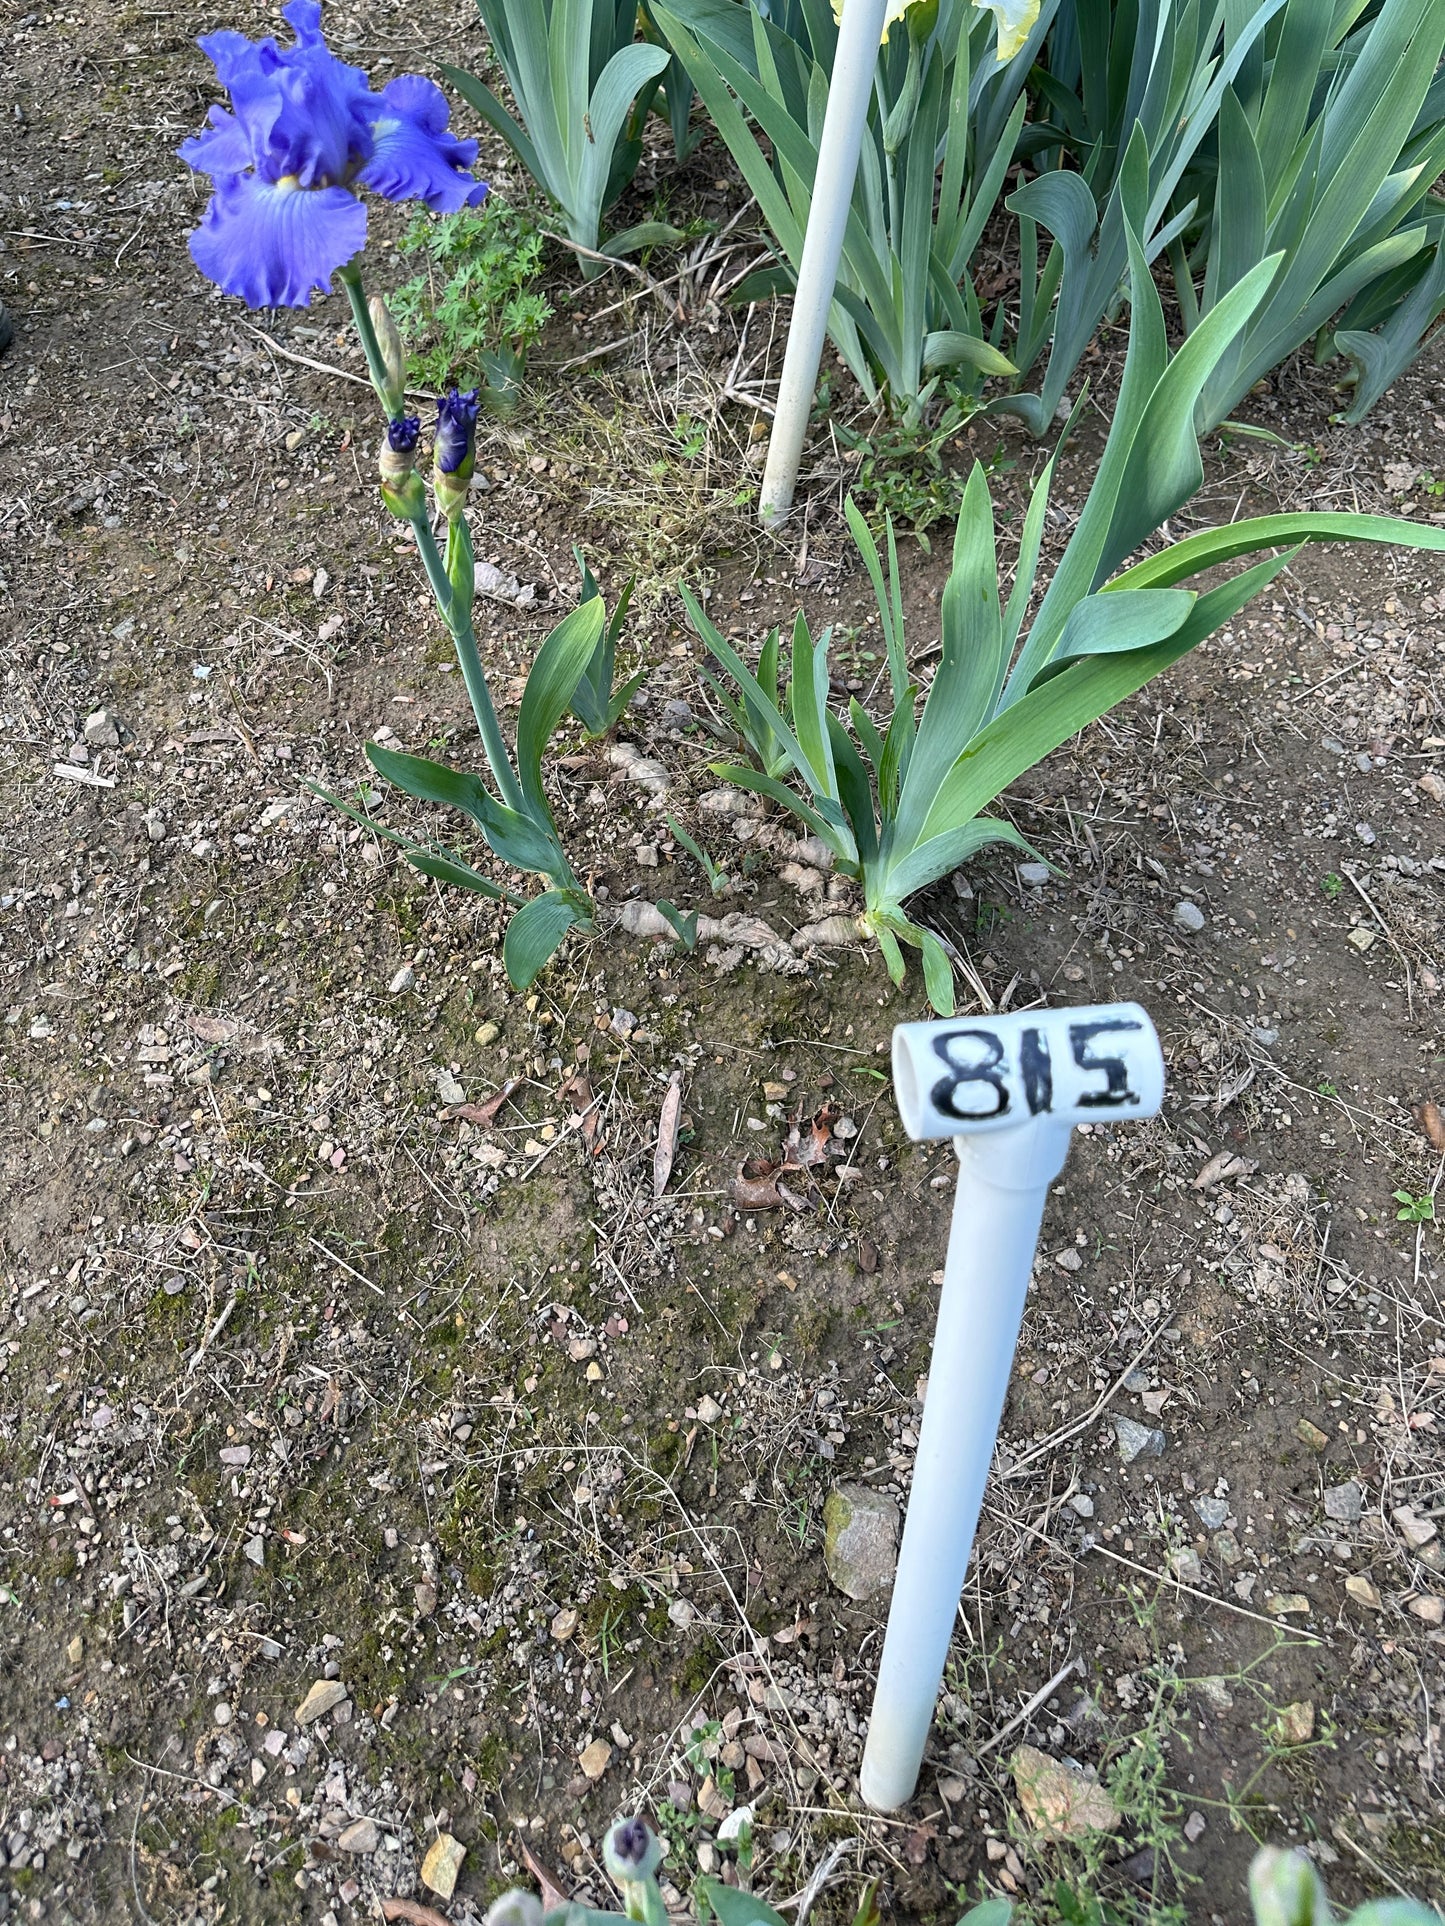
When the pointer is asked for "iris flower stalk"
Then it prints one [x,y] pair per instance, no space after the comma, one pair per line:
[447,584]
[301,136]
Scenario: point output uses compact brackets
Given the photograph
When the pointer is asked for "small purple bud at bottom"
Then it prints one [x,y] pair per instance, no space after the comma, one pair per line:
[631,1841]
[402,433]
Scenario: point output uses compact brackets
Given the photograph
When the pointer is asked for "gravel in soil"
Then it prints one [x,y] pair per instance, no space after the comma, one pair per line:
[379,1466]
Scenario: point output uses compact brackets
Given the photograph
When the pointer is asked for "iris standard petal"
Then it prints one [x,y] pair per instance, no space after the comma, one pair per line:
[272,244]
[304,19]
[232,54]
[414,158]
[222,149]
[319,131]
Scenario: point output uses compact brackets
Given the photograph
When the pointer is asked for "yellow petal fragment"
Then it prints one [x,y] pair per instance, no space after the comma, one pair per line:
[1016,20]
[896,11]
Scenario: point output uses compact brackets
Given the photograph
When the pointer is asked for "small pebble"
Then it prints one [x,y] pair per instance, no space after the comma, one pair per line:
[1188,916]
[324,1696]
[442,1864]
[1135,1440]
[221,1712]
[403,980]
[1344,1503]
[101,730]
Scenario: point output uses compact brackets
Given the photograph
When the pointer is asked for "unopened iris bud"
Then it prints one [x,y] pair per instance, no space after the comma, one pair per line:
[401,486]
[398,452]
[1286,1890]
[455,453]
[515,1908]
[631,1850]
[393,351]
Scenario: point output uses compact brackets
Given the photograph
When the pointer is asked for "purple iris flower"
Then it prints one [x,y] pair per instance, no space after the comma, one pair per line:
[303,136]
[456,429]
[403,433]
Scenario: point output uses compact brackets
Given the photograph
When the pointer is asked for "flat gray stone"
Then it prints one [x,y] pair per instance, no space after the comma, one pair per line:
[1135,1440]
[1345,1503]
[1212,1511]
[1188,916]
[860,1540]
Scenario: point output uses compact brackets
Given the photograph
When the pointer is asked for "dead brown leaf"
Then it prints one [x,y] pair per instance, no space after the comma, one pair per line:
[667,1126]
[484,1114]
[578,1092]
[915,1846]
[212,1029]
[808,1144]
[759,1185]
[413,1912]
[552,1894]
[1432,1121]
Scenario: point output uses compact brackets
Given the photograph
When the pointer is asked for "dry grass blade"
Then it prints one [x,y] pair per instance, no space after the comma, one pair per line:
[667,1128]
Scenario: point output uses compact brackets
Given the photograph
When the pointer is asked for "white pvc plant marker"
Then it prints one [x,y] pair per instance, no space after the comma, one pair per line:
[859,37]
[1008,1090]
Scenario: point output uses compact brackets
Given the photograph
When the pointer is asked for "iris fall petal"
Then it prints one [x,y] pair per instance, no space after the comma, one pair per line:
[272,244]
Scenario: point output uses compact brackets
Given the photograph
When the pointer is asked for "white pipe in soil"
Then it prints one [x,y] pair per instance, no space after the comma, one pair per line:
[1009,1091]
[844,119]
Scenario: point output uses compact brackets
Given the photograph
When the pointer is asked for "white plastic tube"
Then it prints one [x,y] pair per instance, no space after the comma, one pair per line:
[999,1205]
[849,92]
[1008,1090]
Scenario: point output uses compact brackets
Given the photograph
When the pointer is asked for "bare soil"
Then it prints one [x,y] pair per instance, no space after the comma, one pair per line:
[303,1375]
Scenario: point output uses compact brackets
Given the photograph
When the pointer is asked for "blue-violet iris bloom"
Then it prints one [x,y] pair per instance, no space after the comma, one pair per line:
[403,433]
[303,136]
[456,429]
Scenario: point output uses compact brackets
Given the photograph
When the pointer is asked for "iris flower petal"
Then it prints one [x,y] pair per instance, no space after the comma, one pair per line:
[1015,18]
[233,55]
[315,111]
[222,149]
[273,244]
[414,158]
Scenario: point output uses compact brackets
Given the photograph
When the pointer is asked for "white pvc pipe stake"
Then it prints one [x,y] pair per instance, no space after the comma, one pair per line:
[846,115]
[1008,1090]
